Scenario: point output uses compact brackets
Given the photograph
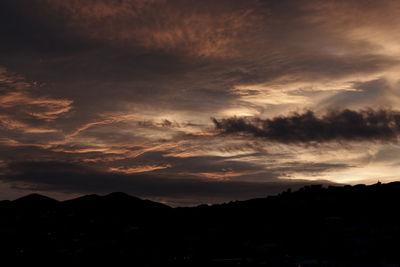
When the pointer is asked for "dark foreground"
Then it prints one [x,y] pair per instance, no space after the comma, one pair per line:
[315,226]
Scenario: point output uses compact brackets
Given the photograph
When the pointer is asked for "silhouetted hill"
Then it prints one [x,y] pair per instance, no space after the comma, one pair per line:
[114,200]
[35,200]
[314,226]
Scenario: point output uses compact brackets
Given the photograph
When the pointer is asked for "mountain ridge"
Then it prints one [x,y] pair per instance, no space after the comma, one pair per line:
[120,196]
[334,225]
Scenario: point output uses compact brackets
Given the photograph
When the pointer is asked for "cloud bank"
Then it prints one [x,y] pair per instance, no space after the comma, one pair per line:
[344,125]
[74,178]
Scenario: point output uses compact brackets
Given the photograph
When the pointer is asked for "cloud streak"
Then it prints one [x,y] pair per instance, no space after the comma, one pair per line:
[344,125]
[21,110]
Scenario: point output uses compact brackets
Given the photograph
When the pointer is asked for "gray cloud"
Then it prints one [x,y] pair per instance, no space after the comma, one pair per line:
[345,125]
[374,93]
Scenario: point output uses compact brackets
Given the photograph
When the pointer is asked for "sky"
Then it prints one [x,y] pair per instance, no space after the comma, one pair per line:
[188,102]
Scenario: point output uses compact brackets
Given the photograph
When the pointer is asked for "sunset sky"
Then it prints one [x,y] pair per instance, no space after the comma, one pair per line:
[188,101]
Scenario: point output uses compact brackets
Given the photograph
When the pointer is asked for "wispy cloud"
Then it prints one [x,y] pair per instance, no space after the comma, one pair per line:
[22,111]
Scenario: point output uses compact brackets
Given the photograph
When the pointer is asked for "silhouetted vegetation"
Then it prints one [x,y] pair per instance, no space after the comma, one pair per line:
[314,226]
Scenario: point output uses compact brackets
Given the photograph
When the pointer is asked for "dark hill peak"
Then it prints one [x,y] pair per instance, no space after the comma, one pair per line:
[35,199]
[121,198]
[116,201]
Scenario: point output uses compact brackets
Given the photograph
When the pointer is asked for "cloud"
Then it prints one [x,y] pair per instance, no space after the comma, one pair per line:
[205,29]
[135,48]
[21,110]
[128,86]
[374,93]
[344,125]
[66,177]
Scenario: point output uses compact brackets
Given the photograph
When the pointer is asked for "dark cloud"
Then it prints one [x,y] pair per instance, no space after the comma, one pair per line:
[71,178]
[168,26]
[345,125]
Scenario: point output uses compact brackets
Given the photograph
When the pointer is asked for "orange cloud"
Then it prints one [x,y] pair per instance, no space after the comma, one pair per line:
[161,25]
[39,107]
[222,175]
[19,105]
[140,169]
